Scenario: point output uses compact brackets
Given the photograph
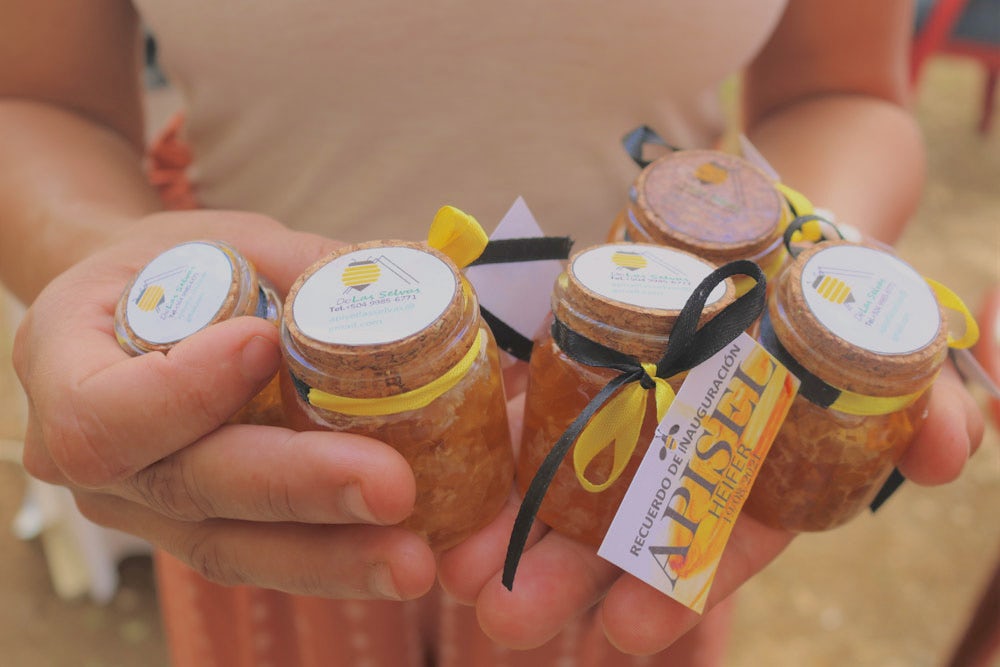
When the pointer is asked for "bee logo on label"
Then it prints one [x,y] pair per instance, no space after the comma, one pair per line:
[360,274]
[632,261]
[150,298]
[711,173]
[667,439]
[833,289]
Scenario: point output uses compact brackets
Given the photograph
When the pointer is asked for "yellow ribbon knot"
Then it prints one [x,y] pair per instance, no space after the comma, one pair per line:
[618,424]
[458,235]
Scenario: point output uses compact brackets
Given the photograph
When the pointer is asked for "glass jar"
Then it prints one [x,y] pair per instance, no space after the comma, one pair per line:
[385,339]
[625,296]
[712,204]
[187,288]
[865,334]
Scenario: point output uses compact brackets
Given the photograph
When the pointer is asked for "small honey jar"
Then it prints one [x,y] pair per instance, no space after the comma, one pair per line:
[385,339]
[867,336]
[622,296]
[187,288]
[713,204]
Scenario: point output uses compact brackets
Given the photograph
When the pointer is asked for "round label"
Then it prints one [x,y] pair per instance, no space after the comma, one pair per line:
[871,299]
[180,292]
[374,296]
[645,276]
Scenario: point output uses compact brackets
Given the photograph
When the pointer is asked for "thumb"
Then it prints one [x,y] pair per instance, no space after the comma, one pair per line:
[138,410]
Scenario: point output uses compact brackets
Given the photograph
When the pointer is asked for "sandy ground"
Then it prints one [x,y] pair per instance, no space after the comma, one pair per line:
[890,590]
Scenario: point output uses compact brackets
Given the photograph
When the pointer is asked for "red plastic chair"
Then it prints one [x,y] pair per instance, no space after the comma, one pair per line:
[967,28]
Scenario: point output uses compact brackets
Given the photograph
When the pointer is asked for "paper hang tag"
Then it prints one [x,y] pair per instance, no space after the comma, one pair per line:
[517,296]
[678,512]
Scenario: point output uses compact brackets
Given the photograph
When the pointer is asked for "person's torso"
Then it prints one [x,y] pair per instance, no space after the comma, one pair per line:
[359,120]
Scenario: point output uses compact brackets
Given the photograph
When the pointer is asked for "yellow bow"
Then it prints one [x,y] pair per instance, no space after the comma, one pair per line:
[618,423]
[458,235]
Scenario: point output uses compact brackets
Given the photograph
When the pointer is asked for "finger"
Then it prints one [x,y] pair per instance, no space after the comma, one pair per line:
[953,428]
[276,251]
[515,420]
[641,620]
[106,415]
[261,473]
[465,570]
[557,579]
[35,457]
[299,251]
[350,561]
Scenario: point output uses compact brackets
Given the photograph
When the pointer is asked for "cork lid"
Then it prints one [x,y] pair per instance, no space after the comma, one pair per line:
[378,319]
[184,290]
[860,319]
[711,203]
[627,296]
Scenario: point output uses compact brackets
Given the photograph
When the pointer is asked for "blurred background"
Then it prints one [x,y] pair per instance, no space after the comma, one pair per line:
[895,589]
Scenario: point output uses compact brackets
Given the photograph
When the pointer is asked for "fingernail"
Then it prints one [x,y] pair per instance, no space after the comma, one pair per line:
[382,583]
[259,359]
[355,505]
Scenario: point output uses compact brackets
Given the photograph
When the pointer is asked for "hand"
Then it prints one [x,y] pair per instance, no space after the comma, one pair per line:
[558,578]
[143,442]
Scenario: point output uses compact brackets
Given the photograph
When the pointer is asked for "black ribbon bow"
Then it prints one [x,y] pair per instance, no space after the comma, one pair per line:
[687,347]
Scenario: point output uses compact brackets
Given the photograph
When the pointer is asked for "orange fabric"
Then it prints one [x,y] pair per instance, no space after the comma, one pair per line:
[168,159]
[208,625]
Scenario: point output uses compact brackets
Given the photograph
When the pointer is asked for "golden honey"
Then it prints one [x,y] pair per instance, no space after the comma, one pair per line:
[626,297]
[370,329]
[868,334]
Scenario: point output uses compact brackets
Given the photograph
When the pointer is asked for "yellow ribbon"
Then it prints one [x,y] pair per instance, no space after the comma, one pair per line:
[952,302]
[618,423]
[793,199]
[867,406]
[459,236]
[811,231]
[414,399]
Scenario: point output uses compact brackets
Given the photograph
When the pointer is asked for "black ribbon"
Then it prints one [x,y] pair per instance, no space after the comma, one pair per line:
[796,225]
[508,339]
[894,481]
[811,388]
[507,251]
[636,140]
[530,249]
[261,310]
[687,347]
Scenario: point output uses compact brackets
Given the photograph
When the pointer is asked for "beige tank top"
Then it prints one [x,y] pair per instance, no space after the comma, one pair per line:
[358,120]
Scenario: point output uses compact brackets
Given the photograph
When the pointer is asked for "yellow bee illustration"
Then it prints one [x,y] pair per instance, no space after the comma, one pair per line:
[629,260]
[150,298]
[361,274]
[711,173]
[833,289]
